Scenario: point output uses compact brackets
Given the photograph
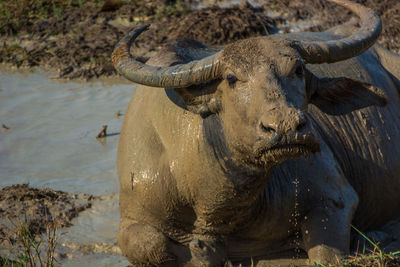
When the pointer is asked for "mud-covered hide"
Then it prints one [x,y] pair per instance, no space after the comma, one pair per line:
[272,160]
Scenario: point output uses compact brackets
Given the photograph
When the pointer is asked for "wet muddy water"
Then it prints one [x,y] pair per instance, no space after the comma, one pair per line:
[51,143]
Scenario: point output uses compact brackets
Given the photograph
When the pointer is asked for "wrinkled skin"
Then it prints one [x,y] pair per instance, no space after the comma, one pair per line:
[276,155]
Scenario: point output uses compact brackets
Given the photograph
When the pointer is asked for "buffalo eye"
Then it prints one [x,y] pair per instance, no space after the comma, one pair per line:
[231,80]
[299,71]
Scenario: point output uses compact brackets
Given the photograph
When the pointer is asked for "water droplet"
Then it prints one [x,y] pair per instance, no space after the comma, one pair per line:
[295,221]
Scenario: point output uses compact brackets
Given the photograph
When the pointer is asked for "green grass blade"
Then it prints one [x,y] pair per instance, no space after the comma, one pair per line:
[366,238]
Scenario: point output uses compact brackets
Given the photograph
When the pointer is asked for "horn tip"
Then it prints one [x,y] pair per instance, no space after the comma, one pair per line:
[143,27]
[135,32]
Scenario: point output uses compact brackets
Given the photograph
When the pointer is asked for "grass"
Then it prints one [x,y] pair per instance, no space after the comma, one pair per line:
[9,263]
[376,257]
[80,3]
[57,11]
[31,250]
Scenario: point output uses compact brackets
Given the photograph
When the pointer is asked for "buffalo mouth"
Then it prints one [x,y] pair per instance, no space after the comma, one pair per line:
[281,152]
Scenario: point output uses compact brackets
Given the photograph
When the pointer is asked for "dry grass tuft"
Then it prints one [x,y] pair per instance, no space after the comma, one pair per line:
[31,250]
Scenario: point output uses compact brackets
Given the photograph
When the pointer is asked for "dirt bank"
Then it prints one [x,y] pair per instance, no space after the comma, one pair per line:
[76,37]
[77,40]
[38,208]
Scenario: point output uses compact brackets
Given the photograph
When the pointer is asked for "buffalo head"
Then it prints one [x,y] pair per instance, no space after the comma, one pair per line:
[260,88]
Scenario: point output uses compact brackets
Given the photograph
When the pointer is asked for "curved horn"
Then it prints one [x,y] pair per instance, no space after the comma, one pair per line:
[351,46]
[177,76]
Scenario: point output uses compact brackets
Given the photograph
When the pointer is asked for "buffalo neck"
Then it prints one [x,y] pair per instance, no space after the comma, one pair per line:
[238,181]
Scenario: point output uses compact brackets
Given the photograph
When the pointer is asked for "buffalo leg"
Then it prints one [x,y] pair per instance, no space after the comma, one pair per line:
[332,202]
[326,235]
[143,245]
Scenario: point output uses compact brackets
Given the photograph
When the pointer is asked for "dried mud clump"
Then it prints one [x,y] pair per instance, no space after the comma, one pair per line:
[38,209]
[73,39]
[218,26]
[390,37]
[76,38]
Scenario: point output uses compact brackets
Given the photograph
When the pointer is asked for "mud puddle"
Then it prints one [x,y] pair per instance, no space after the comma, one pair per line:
[50,142]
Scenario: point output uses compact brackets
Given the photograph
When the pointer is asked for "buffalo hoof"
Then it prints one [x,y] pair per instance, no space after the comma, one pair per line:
[323,254]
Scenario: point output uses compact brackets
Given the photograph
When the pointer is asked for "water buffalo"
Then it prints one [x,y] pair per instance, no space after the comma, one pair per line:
[267,145]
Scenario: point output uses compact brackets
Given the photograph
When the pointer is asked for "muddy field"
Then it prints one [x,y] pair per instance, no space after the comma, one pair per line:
[75,38]
[37,210]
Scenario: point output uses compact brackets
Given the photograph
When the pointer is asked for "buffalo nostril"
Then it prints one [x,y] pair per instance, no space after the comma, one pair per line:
[300,126]
[267,129]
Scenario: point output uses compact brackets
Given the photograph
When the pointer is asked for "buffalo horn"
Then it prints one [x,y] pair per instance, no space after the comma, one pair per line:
[351,46]
[177,76]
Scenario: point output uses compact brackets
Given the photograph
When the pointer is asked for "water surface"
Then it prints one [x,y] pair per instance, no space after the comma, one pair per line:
[51,143]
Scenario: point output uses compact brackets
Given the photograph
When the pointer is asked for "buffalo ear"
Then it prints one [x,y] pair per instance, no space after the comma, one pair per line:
[338,96]
[200,99]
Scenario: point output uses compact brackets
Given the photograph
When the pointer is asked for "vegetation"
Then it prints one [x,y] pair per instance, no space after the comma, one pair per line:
[377,257]
[31,250]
